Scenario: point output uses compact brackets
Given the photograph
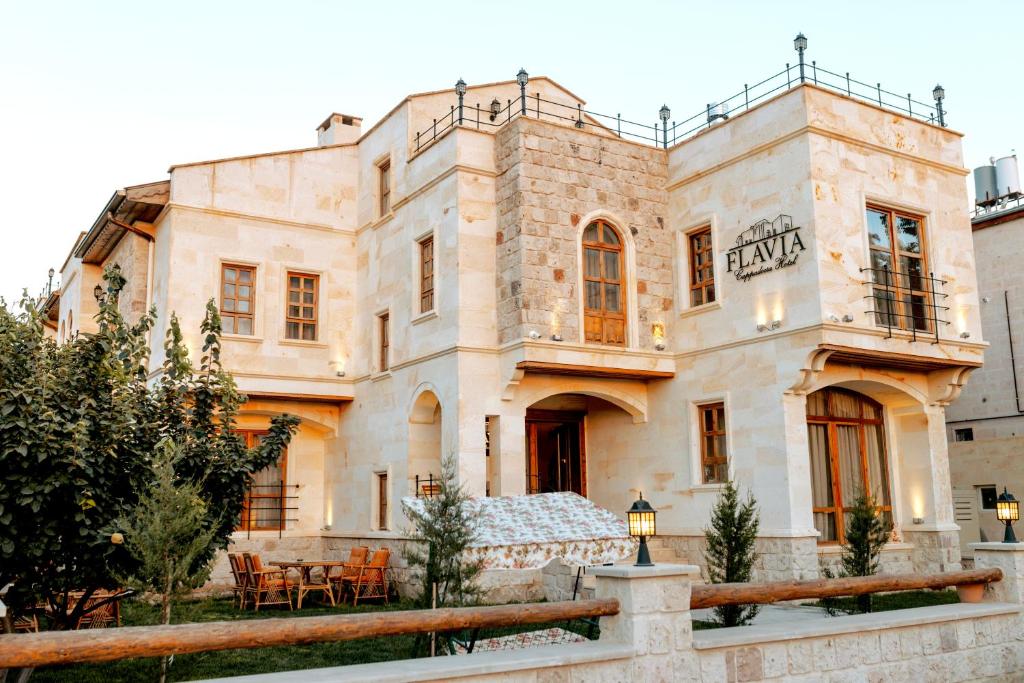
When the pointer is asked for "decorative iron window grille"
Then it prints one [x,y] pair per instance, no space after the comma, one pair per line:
[907,302]
[268,507]
[427,487]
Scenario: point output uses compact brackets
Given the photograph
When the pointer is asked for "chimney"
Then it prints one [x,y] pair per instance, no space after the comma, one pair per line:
[338,129]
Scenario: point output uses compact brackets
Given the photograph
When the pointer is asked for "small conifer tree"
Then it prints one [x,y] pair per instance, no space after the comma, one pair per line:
[168,533]
[730,554]
[866,534]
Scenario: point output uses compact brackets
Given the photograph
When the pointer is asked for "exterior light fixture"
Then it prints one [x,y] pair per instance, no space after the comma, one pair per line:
[834,318]
[534,334]
[800,44]
[939,94]
[642,525]
[658,333]
[522,78]
[918,520]
[768,326]
[340,373]
[664,113]
[49,283]
[1008,512]
[556,337]
[97,292]
[460,90]
[495,108]
[847,318]
[965,334]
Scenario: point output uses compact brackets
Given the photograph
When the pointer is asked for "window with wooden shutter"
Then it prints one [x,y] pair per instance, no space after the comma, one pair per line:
[604,296]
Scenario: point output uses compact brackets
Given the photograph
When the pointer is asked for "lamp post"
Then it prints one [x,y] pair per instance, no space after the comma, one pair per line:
[663,114]
[800,44]
[49,283]
[460,90]
[939,94]
[522,78]
[1008,512]
[641,525]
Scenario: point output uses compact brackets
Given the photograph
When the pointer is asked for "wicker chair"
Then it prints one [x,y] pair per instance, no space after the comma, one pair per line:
[239,574]
[348,572]
[107,614]
[266,586]
[372,580]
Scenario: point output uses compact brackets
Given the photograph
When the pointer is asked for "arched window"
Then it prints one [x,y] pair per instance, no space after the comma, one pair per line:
[71,324]
[604,304]
[60,339]
[846,439]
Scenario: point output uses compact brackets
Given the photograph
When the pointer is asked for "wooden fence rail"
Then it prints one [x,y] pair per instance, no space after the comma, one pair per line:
[69,647]
[714,595]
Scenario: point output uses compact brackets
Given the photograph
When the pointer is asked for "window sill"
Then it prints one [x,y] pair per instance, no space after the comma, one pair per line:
[707,487]
[424,317]
[248,338]
[695,310]
[302,343]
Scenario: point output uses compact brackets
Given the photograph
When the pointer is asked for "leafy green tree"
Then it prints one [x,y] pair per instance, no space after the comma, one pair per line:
[866,535]
[730,554]
[80,424]
[168,535]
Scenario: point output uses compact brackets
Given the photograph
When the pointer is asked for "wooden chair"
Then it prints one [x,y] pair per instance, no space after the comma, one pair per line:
[108,614]
[372,581]
[266,586]
[26,623]
[348,572]
[239,574]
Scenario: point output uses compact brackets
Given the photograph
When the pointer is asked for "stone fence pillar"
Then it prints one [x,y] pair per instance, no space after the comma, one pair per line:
[1010,558]
[654,617]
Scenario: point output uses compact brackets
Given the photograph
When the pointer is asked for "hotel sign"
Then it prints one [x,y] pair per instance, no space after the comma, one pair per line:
[764,247]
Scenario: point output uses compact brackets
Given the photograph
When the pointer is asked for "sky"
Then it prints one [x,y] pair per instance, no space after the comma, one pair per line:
[95,96]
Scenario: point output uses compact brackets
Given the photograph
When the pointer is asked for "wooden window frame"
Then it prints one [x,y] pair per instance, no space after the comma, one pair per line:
[251,300]
[712,459]
[838,507]
[250,437]
[382,500]
[302,322]
[904,319]
[384,187]
[603,314]
[427,267]
[384,341]
[693,251]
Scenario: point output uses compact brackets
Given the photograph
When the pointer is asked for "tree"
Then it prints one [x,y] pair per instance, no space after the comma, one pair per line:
[730,554]
[80,424]
[866,534]
[168,535]
[441,534]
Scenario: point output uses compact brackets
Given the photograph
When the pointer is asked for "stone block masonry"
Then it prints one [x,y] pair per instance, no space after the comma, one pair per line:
[550,179]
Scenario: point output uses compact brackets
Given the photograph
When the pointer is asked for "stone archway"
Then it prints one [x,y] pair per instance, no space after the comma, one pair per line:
[425,439]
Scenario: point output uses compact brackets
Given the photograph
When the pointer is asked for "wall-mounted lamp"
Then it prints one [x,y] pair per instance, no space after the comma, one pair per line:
[658,334]
[534,335]
[556,337]
[340,373]
[770,325]
[847,318]
[986,299]
[965,334]
[495,108]
[918,520]
[97,292]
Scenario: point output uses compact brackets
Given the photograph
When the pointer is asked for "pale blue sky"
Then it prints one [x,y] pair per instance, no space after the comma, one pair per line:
[96,96]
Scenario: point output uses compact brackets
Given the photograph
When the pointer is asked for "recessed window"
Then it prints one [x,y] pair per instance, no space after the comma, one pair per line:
[384,337]
[382,501]
[264,506]
[604,307]
[702,268]
[714,460]
[384,187]
[426,274]
[902,291]
[989,495]
[237,298]
[303,300]
[964,434]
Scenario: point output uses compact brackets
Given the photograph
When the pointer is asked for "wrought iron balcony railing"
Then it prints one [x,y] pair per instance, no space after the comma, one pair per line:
[911,302]
[663,133]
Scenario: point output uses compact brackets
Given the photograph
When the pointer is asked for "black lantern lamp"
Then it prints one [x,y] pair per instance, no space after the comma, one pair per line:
[97,292]
[460,90]
[642,526]
[939,94]
[1008,512]
[522,78]
[495,108]
[800,44]
[664,113]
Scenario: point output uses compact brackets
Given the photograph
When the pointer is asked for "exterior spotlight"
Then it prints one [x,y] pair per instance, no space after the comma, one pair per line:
[847,318]
[642,525]
[340,373]
[965,334]
[97,292]
[775,324]
[1008,512]
[939,94]
[833,317]
[522,78]
[534,334]
[556,337]
[495,108]
[918,520]
[800,44]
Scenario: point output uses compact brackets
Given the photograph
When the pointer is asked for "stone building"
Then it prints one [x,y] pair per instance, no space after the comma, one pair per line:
[985,426]
[561,307]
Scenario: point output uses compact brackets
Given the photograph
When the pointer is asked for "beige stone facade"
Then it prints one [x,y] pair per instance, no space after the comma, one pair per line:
[499,360]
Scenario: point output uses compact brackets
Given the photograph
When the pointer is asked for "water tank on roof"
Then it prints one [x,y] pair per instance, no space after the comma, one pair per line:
[1007,178]
[986,191]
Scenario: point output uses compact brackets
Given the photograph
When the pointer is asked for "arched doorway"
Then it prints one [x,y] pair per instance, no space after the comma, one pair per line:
[425,442]
[848,455]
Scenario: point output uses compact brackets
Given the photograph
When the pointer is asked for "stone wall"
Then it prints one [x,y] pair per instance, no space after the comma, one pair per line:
[550,179]
[935,551]
[779,559]
[132,255]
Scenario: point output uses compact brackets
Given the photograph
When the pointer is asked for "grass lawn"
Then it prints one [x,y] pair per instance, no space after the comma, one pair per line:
[233,662]
[260,660]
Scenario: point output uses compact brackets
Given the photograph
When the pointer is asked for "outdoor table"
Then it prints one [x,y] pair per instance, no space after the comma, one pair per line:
[305,571]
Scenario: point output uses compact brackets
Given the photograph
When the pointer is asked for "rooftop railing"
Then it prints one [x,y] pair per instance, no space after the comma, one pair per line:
[666,132]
